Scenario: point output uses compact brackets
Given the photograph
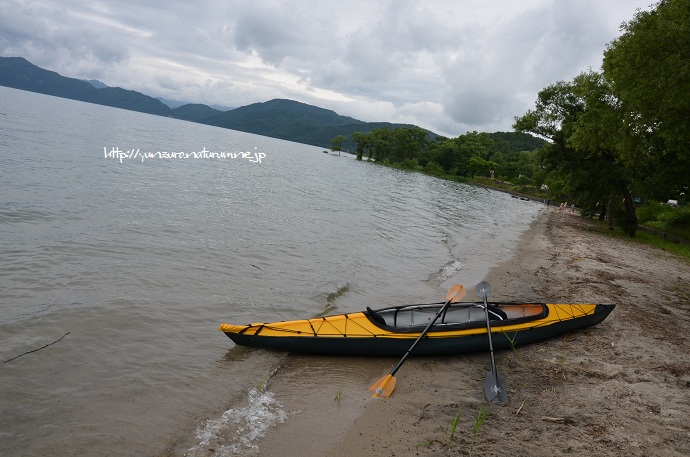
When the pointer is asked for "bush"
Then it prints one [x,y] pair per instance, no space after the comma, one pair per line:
[664,215]
[650,212]
[523,181]
[434,169]
[679,217]
[409,164]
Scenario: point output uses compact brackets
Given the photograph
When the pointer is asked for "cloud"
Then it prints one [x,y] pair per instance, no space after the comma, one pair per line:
[444,65]
[43,33]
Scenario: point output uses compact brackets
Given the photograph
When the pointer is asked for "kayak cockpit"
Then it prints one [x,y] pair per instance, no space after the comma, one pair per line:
[458,315]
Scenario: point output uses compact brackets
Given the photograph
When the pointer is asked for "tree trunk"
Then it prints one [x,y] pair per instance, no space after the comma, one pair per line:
[630,225]
[609,213]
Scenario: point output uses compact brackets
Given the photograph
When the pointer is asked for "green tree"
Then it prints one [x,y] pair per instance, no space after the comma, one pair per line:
[648,68]
[337,143]
[607,147]
[481,167]
[408,143]
[577,117]
[361,143]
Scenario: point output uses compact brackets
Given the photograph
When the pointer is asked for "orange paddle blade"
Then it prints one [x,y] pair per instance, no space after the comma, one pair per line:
[456,293]
[384,386]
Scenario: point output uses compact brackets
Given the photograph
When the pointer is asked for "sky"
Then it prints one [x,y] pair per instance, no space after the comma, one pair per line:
[450,66]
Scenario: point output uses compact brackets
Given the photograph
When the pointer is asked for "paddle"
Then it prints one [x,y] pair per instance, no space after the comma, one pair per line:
[494,387]
[384,386]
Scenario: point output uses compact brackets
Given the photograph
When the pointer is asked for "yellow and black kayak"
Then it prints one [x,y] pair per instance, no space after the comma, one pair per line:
[390,331]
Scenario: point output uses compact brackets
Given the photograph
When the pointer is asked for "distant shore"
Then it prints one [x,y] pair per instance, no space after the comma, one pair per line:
[617,389]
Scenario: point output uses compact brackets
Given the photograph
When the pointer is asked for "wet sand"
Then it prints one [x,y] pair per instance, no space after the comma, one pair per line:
[621,388]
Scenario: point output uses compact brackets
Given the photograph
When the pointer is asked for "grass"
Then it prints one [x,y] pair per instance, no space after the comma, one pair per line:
[339,395]
[678,249]
[262,385]
[482,416]
[512,342]
[453,427]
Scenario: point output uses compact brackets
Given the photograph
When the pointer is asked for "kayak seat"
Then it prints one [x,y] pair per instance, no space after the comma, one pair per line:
[496,313]
[375,317]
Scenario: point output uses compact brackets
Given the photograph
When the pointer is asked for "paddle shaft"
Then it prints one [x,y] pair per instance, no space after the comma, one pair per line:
[494,388]
[419,338]
[384,386]
[488,331]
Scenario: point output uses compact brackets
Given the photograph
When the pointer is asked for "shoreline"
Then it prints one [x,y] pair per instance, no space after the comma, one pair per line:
[617,389]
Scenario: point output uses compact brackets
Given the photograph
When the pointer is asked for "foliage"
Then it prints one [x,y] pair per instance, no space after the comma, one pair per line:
[409,164]
[337,143]
[583,159]
[471,154]
[622,133]
[649,68]
[432,168]
[667,218]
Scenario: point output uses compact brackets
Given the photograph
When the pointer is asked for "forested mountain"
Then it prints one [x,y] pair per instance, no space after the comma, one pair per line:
[295,121]
[19,73]
[284,119]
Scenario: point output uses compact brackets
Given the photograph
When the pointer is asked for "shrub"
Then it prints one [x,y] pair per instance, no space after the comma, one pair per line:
[434,169]
[409,164]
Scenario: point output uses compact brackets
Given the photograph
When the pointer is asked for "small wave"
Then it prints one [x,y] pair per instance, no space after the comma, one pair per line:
[332,297]
[239,430]
[448,271]
[19,216]
[451,269]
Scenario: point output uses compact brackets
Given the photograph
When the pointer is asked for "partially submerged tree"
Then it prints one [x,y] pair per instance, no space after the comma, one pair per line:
[337,143]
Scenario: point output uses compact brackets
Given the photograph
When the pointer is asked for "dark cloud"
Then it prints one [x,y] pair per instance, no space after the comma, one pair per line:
[47,35]
[445,65]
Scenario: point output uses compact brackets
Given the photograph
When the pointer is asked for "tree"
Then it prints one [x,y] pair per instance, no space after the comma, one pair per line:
[479,166]
[648,68]
[581,120]
[337,143]
[601,134]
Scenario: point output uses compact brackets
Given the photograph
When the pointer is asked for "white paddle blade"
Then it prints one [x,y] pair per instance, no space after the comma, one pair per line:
[483,290]
[495,389]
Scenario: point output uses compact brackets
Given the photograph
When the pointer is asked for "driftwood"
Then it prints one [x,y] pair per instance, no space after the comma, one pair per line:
[42,347]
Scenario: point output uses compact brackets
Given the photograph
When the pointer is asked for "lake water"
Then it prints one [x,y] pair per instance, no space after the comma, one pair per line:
[129,264]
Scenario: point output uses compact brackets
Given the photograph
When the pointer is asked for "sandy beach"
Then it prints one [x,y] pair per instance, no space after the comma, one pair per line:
[621,388]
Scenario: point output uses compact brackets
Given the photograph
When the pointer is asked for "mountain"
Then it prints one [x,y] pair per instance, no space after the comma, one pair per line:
[279,118]
[195,112]
[284,119]
[96,83]
[176,104]
[291,120]
[19,73]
